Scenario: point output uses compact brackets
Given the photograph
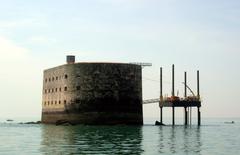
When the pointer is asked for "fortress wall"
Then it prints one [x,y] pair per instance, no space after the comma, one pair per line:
[54,84]
[106,92]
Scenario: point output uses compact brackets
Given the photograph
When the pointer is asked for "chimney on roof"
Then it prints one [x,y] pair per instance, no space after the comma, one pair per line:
[70,59]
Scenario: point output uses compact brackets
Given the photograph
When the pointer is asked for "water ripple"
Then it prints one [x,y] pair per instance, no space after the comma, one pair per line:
[147,140]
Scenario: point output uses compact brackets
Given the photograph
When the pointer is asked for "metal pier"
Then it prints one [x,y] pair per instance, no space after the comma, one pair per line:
[187,102]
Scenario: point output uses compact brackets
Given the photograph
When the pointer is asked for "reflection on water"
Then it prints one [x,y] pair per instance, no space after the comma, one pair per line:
[180,140]
[91,140]
[147,140]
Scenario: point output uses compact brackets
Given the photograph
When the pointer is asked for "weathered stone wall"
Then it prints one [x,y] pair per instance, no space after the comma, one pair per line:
[97,93]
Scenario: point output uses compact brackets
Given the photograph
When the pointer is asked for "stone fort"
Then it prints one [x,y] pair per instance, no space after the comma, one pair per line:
[96,93]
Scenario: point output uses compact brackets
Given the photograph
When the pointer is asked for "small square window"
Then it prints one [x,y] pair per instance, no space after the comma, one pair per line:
[78,87]
[65,88]
[56,78]
[65,76]
[56,90]
[59,102]
[77,101]
[60,89]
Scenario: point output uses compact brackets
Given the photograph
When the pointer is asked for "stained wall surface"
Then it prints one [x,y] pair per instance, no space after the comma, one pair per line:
[93,93]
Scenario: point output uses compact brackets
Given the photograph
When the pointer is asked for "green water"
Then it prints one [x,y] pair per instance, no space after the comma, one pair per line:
[214,137]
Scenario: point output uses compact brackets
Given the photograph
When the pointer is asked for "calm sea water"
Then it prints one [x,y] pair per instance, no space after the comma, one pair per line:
[213,137]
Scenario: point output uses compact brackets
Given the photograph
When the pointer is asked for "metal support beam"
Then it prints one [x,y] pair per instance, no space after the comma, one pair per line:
[198,89]
[190,118]
[161,96]
[161,93]
[186,116]
[173,116]
[161,115]
[173,91]
[185,84]
[161,83]
[199,117]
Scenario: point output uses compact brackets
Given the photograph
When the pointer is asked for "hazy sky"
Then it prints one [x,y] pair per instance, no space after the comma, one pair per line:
[204,35]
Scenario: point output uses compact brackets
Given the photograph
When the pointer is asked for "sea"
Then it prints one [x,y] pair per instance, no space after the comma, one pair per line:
[214,137]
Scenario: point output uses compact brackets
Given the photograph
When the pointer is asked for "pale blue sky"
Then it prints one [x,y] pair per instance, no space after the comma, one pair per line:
[204,35]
